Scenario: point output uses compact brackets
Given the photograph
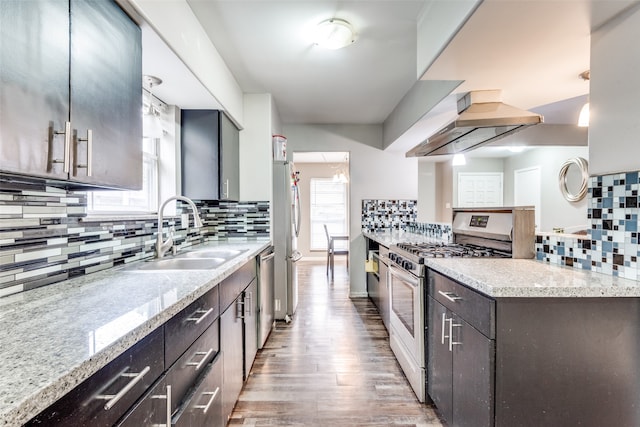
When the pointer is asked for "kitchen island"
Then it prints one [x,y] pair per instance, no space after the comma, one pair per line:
[53,338]
[518,342]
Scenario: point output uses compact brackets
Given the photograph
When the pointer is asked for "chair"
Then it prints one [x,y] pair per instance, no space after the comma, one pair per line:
[331,251]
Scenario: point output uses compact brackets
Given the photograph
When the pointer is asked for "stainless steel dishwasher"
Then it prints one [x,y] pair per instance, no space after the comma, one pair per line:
[266,317]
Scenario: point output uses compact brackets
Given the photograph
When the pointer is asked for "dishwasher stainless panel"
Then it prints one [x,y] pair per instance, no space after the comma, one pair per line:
[266,316]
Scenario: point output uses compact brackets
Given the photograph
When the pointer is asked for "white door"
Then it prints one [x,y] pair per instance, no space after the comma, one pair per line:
[526,189]
[480,189]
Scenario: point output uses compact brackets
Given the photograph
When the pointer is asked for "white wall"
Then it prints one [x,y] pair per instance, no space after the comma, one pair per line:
[555,211]
[374,174]
[427,191]
[614,87]
[256,164]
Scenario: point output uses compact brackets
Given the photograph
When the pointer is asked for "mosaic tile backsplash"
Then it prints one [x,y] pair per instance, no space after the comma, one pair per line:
[611,245]
[388,214]
[46,236]
[432,229]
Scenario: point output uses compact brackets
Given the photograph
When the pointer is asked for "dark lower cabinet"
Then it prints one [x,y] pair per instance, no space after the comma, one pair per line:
[460,369]
[152,410]
[233,359]
[250,326]
[103,398]
[203,408]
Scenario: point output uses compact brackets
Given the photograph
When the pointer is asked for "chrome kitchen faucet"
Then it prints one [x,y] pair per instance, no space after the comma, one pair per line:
[163,246]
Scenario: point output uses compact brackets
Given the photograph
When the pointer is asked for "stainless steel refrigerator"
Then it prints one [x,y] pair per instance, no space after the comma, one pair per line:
[286,228]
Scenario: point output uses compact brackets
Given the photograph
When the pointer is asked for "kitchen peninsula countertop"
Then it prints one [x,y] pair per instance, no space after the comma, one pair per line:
[517,278]
[55,337]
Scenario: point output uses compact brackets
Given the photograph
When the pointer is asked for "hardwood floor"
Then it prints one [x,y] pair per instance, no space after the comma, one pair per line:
[331,366]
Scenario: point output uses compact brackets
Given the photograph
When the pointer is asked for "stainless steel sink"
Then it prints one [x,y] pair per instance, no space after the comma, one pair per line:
[202,259]
[182,264]
[226,254]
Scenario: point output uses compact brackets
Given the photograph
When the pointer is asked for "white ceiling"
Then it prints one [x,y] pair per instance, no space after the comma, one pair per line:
[531,49]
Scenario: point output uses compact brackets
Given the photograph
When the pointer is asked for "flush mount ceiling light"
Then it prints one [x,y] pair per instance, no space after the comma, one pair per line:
[583,118]
[334,33]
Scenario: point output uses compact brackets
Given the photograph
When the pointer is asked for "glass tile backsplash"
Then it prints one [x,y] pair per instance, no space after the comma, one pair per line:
[388,214]
[46,236]
[611,244]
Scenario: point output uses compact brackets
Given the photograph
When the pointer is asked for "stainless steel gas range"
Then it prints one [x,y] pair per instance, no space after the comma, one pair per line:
[477,232]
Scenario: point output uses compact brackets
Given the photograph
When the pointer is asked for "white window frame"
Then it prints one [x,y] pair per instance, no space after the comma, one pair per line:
[317,236]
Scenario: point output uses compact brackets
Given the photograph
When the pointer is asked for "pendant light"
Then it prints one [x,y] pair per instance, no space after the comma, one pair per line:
[583,118]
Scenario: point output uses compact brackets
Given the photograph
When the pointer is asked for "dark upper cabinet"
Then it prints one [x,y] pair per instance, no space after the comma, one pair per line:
[210,155]
[70,93]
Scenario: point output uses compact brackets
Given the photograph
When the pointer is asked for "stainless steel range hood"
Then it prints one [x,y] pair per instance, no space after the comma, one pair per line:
[482,118]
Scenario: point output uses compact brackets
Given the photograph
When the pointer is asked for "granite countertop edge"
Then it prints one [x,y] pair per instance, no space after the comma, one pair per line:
[16,411]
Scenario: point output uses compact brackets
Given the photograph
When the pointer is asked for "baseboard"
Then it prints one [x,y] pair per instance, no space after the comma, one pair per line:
[358,295]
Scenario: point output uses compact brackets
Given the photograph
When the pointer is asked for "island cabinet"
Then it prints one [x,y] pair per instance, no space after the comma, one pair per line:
[532,361]
[71,93]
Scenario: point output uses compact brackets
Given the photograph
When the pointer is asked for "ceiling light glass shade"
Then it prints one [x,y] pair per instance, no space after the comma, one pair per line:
[334,34]
[583,118]
[459,160]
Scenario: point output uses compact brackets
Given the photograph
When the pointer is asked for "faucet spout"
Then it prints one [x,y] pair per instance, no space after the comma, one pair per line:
[163,246]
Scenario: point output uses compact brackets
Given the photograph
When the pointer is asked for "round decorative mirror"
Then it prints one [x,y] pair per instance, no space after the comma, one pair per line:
[573,179]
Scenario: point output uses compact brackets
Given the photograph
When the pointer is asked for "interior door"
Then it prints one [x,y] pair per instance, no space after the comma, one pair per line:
[480,189]
[34,87]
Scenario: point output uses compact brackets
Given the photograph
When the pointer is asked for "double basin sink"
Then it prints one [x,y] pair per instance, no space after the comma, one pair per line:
[199,259]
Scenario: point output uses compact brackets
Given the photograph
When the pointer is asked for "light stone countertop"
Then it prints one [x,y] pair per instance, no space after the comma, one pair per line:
[55,337]
[519,278]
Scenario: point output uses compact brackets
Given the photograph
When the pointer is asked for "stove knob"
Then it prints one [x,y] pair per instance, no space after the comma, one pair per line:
[408,265]
[392,256]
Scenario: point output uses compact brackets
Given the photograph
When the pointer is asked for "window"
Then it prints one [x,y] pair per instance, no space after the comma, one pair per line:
[143,201]
[328,206]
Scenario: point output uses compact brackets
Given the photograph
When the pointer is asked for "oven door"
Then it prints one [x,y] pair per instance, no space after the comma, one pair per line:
[407,326]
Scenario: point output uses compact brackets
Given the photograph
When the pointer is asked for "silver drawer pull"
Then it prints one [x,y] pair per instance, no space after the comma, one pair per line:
[451,341]
[206,407]
[206,355]
[168,397]
[114,398]
[450,296]
[201,318]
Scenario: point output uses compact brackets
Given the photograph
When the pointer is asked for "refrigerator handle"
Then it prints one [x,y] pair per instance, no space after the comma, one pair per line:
[297,214]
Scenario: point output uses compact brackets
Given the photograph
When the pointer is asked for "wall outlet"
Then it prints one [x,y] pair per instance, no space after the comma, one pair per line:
[447,205]
[184,220]
[277,305]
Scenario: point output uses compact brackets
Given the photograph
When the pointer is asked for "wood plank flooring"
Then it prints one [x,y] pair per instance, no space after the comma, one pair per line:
[331,366]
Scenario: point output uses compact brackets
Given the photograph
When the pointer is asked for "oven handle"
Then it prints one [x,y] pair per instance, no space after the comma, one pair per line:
[409,278]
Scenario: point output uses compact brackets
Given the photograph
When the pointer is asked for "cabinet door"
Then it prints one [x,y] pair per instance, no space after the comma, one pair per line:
[250,326]
[106,95]
[154,409]
[200,154]
[204,406]
[229,159]
[34,86]
[439,361]
[231,349]
[473,386]
[383,293]
[373,289]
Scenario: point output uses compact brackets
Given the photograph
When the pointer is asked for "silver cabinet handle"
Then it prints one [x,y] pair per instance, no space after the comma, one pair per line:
[450,296]
[168,397]
[444,320]
[206,407]
[67,146]
[89,141]
[114,398]
[201,318]
[248,301]
[205,355]
[239,309]
[451,326]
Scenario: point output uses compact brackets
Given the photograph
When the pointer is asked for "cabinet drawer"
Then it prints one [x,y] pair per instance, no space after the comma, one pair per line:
[475,308]
[233,285]
[185,372]
[154,409]
[204,406]
[183,329]
[127,376]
